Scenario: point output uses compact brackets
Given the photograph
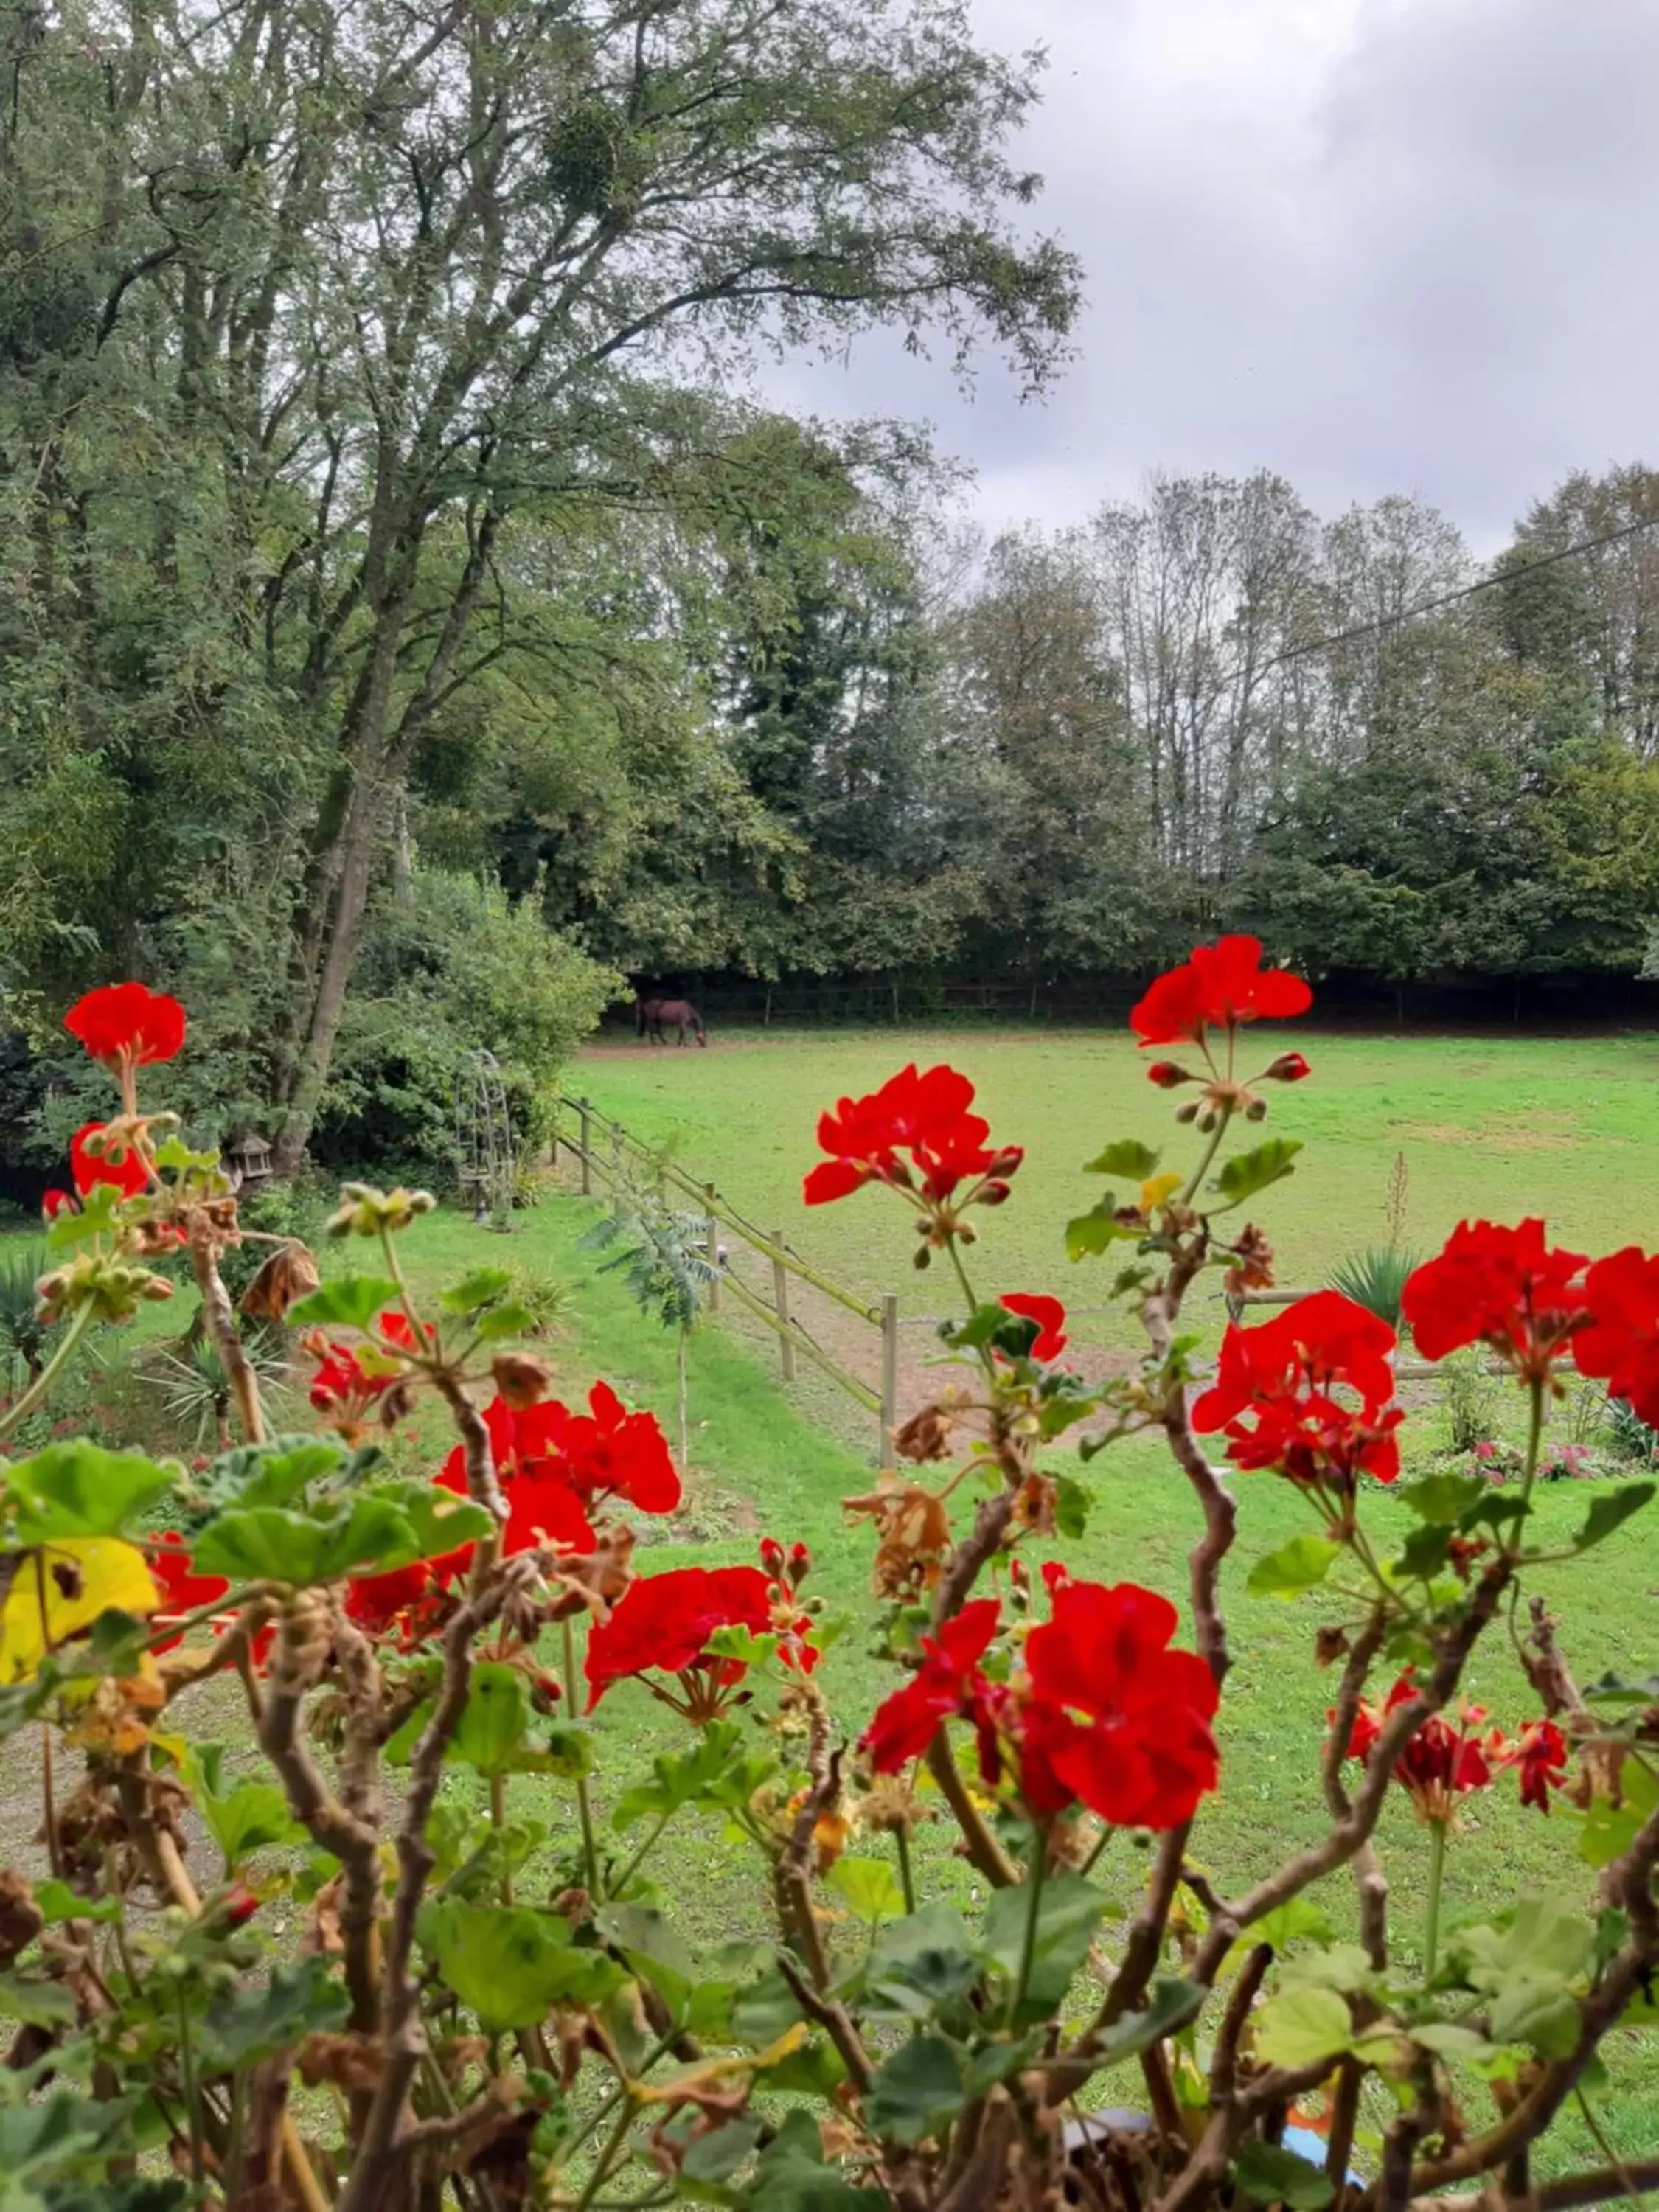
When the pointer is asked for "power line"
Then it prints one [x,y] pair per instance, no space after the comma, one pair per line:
[1463,591]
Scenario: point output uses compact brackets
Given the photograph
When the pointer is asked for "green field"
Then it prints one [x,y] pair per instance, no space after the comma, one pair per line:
[1566,1128]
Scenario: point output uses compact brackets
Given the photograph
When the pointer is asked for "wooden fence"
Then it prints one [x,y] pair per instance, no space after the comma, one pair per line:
[605,1153]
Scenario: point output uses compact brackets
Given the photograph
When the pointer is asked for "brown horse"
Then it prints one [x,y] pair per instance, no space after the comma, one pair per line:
[652,1017]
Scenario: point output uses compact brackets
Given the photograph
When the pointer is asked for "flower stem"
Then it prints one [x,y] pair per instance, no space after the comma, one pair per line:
[907,1883]
[1038,1867]
[1209,1154]
[498,1822]
[1437,1869]
[1535,1442]
[584,1805]
[80,1321]
[602,2165]
[622,1881]
[192,2097]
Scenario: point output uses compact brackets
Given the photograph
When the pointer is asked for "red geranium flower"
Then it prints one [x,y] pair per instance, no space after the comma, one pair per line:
[1123,1722]
[55,1202]
[1500,1287]
[1619,1343]
[926,1116]
[183,1590]
[128,1173]
[1222,986]
[375,1601]
[1440,1762]
[1285,1374]
[1540,1756]
[1047,1313]
[124,1025]
[947,1681]
[662,1628]
[609,1452]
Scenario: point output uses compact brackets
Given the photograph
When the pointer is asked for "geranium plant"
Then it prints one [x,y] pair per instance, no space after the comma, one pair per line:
[491,2010]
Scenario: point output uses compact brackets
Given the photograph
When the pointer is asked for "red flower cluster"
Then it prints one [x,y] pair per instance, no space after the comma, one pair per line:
[1539,1756]
[1285,1374]
[343,1389]
[662,1628]
[1101,1712]
[555,1465]
[926,1116]
[411,1600]
[129,1174]
[1498,1286]
[1047,1313]
[124,1026]
[1221,986]
[1440,1762]
[1619,1343]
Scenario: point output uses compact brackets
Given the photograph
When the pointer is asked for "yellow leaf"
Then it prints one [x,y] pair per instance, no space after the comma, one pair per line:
[1156,1190]
[82,1576]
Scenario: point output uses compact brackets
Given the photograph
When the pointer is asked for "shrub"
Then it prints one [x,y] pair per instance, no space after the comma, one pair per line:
[882,2047]
[1374,1278]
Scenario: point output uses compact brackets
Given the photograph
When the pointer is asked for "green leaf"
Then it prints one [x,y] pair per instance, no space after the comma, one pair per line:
[1297,1920]
[1529,1964]
[484,1286]
[871,1888]
[1301,1564]
[1098,1230]
[1267,2174]
[438,1521]
[922,1962]
[999,2062]
[344,1302]
[1611,1511]
[57,1902]
[569,1751]
[247,1818]
[513,1319]
[1173,2004]
[717,2155]
[1495,1511]
[1451,2038]
[389,1526]
[1247,1173]
[1424,1551]
[298,1999]
[790,2176]
[1443,1499]
[512,1965]
[916,2092]
[1068,1913]
[1126,1156]
[79,1489]
[1300,2026]
[1609,1830]
[716,1771]
[491,1729]
[42,2001]
[1073,1500]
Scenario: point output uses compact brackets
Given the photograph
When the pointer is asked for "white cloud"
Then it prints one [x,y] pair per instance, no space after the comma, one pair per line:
[1375,245]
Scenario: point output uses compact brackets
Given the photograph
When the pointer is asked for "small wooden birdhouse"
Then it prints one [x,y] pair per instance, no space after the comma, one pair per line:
[247,1160]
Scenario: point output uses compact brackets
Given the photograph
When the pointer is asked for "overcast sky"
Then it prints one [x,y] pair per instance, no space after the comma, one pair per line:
[1375,244]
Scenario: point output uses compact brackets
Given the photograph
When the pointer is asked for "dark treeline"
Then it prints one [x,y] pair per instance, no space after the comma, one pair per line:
[411,638]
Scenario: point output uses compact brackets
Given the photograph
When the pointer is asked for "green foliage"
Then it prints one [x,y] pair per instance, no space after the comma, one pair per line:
[26,1340]
[1470,1403]
[663,1258]
[1374,1278]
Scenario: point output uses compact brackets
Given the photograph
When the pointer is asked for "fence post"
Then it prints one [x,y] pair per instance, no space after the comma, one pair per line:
[780,1300]
[712,1247]
[889,1375]
[585,1127]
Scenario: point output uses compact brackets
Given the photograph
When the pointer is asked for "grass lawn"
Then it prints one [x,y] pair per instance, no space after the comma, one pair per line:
[1567,1129]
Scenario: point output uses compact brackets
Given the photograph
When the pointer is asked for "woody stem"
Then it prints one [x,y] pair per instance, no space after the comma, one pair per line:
[590,1852]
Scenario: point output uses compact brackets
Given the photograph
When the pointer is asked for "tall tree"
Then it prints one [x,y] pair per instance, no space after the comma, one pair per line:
[393,278]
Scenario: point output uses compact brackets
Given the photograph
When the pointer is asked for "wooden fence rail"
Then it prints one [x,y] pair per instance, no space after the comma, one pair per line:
[601,1144]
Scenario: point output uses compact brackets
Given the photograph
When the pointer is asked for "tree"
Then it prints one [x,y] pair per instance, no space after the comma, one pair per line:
[1602,618]
[390,284]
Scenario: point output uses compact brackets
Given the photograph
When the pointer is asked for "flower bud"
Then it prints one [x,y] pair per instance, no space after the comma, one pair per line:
[1256,1110]
[921,1258]
[800,1564]
[1289,1067]
[1169,1075]
[771,1556]
[240,1904]
[521,1379]
[1188,1112]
